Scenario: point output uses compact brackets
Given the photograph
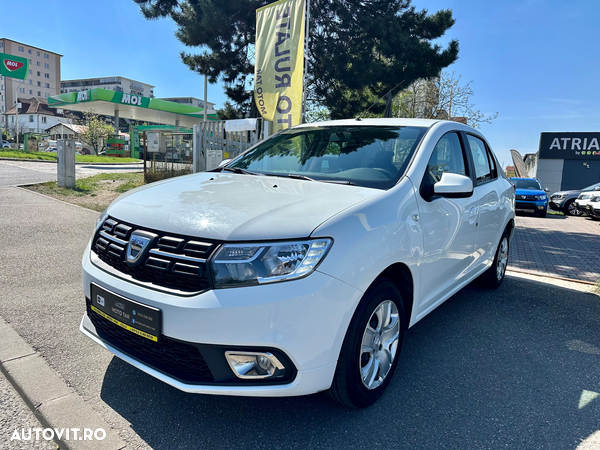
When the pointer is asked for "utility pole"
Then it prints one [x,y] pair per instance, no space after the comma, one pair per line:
[205,96]
[17,113]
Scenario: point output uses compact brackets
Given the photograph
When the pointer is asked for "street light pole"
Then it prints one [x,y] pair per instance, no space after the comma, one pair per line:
[17,113]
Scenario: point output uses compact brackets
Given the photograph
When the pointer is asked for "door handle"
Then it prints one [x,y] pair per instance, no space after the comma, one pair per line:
[472,214]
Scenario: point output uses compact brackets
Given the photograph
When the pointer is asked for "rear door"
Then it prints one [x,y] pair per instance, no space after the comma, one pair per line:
[489,214]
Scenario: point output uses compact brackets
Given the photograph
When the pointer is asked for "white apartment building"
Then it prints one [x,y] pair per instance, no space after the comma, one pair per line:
[191,101]
[42,81]
[117,84]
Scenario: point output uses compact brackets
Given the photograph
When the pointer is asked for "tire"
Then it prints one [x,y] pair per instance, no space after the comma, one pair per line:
[542,213]
[361,377]
[570,210]
[493,277]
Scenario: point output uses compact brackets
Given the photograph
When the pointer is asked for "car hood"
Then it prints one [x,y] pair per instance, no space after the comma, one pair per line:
[236,207]
[529,192]
[571,192]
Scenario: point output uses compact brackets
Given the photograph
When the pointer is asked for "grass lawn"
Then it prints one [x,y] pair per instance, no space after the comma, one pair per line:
[47,156]
[95,192]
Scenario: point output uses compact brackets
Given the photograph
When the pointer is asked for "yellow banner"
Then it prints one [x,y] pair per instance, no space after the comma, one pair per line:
[279,62]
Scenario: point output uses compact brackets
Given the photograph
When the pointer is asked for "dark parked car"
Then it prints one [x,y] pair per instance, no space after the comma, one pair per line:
[563,200]
[530,196]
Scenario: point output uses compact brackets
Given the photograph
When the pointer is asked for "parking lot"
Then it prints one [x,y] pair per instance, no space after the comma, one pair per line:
[557,246]
[515,368]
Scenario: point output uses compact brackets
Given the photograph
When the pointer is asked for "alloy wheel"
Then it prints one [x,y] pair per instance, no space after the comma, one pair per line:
[573,211]
[502,258]
[379,344]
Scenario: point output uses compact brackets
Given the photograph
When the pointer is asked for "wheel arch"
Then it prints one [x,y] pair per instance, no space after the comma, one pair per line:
[510,227]
[400,276]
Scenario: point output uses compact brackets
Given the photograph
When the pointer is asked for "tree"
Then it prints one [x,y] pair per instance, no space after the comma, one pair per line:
[229,111]
[12,129]
[441,97]
[358,49]
[96,132]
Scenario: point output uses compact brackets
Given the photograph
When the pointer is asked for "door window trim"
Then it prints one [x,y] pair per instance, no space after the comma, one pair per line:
[489,154]
[469,170]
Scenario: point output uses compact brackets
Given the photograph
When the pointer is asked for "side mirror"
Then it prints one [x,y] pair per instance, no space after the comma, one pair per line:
[453,185]
[546,190]
[597,188]
[224,162]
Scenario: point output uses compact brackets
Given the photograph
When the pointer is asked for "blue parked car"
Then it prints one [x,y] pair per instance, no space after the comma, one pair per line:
[530,196]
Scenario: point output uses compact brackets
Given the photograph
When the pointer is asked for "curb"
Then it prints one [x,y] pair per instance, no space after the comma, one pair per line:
[54,404]
[548,275]
[77,163]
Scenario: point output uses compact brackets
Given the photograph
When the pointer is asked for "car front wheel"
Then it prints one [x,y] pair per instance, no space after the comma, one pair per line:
[570,209]
[370,350]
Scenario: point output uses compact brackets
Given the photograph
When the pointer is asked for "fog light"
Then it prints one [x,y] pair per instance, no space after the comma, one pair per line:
[251,365]
[540,207]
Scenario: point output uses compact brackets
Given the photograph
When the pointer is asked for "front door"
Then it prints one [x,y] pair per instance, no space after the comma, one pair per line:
[449,226]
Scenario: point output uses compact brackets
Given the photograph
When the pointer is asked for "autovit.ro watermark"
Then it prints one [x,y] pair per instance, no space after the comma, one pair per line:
[64,434]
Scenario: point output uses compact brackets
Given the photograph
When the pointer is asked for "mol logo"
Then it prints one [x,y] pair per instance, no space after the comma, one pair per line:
[132,99]
[82,96]
[13,65]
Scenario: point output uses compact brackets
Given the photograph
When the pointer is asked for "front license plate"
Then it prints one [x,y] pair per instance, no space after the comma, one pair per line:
[135,317]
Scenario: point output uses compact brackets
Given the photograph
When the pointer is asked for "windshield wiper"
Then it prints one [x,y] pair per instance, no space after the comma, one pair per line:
[350,183]
[299,177]
[295,176]
[238,170]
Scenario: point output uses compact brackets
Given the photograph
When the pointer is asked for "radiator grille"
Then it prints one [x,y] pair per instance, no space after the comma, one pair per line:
[172,261]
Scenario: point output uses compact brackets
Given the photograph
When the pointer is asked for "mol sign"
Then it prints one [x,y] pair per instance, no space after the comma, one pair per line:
[14,66]
[132,99]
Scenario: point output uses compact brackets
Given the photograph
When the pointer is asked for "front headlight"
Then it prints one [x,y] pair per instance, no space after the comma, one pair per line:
[540,197]
[101,218]
[252,264]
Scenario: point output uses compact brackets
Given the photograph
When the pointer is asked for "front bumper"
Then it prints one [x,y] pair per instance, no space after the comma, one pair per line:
[593,212]
[305,320]
[581,207]
[557,204]
[536,206]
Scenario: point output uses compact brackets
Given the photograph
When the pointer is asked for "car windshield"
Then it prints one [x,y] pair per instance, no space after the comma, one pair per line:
[369,156]
[527,184]
[591,188]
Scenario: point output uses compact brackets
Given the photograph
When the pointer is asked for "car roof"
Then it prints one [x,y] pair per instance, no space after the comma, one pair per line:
[378,121]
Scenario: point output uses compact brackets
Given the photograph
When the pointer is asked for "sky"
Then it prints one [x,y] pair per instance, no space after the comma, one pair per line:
[535,62]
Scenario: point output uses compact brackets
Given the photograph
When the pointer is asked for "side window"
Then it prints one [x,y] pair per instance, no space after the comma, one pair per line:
[447,156]
[485,166]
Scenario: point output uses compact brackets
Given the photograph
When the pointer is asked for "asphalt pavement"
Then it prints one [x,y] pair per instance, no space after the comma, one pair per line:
[15,173]
[515,368]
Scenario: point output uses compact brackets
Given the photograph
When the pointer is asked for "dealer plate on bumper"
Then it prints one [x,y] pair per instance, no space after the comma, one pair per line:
[140,319]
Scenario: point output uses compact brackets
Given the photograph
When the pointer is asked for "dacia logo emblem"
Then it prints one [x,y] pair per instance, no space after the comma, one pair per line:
[139,244]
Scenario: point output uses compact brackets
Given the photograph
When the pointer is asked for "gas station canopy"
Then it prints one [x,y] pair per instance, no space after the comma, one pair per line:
[130,106]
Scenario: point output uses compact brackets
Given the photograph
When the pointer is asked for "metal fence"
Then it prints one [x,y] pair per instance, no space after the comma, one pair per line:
[213,143]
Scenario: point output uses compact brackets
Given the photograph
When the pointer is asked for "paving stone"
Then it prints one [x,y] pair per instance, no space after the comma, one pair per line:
[559,246]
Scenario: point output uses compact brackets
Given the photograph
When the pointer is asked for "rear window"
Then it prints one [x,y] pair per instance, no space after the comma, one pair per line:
[373,156]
